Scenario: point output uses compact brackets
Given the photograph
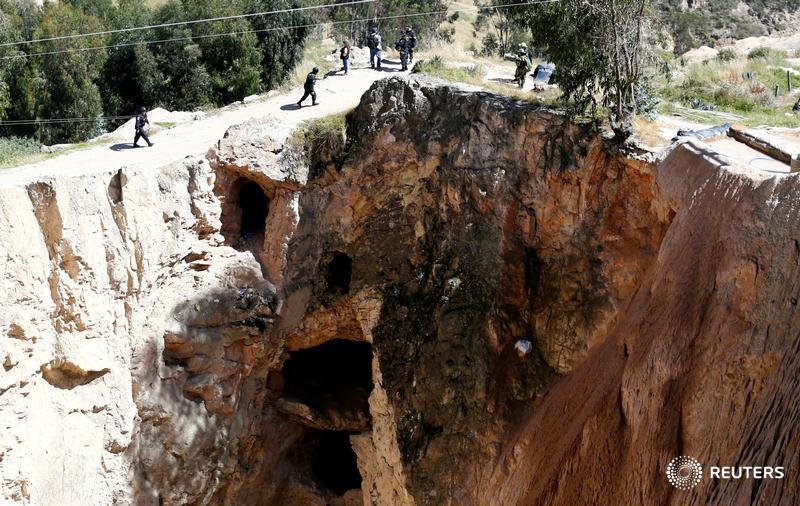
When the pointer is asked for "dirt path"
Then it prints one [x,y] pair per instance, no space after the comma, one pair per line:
[336,94]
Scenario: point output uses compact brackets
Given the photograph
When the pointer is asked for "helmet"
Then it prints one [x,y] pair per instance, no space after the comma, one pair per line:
[346,42]
[374,29]
[523,45]
[314,70]
[141,110]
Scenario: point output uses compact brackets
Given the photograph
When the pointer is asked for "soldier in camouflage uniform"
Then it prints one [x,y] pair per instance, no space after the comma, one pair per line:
[523,64]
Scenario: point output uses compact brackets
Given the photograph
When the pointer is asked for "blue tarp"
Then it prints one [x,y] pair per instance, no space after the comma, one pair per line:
[544,73]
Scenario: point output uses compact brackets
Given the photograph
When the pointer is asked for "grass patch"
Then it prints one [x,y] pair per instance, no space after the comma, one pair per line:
[166,124]
[743,85]
[320,137]
[436,67]
[17,151]
[767,54]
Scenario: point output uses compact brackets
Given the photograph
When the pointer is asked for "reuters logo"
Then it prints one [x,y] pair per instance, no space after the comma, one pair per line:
[684,472]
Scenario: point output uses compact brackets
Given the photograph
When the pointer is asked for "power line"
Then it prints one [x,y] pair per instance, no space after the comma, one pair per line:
[181,23]
[22,122]
[211,35]
[115,118]
[262,30]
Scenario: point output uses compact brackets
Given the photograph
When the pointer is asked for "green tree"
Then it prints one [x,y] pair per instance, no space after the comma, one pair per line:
[131,77]
[187,84]
[281,47]
[67,85]
[425,25]
[18,83]
[7,34]
[600,48]
[230,54]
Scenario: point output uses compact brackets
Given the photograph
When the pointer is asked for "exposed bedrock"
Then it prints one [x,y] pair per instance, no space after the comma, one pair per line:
[472,301]
[472,222]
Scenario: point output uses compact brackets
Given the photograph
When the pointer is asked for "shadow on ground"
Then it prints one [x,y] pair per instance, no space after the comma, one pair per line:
[123,146]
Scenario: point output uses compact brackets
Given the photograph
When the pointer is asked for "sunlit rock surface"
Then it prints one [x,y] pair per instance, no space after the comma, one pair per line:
[247,328]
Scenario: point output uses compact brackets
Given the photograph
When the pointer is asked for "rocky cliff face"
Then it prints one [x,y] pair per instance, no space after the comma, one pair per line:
[473,301]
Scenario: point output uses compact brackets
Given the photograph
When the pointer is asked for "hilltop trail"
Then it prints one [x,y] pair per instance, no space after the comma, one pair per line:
[335,94]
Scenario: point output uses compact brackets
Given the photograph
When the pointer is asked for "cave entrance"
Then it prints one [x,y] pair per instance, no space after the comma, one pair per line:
[325,463]
[325,390]
[254,206]
[334,380]
[333,462]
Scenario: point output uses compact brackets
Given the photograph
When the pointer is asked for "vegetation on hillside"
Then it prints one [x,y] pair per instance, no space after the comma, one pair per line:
[694,23]
[181,66]
[603,51]
[613,56]
[196,65]
[736,84]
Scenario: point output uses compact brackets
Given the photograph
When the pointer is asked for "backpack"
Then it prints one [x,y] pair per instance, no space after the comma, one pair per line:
[374,41]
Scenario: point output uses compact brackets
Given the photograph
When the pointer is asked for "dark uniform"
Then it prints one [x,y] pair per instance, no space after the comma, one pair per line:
[412,38]
[141,121]
[374,44]
[308,87]
[404,47]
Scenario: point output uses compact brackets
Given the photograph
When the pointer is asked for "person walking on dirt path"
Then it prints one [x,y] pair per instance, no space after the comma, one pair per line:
[412,37]
[344,54]
[374,45]
[141,121]
[308,87]
[403,46]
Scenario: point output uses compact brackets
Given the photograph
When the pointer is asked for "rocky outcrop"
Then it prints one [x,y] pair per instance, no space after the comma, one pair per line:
[473,301]
[700,364]
[477,222]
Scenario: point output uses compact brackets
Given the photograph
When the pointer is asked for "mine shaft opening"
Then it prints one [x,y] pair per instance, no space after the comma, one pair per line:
[254,205]
[338,273]
[332,378]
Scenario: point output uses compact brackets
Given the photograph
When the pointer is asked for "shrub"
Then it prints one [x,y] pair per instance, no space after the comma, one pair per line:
[491,46]
[726,55]
[320,138]
[436,67]
[14,149]
[446,34]
[766,53]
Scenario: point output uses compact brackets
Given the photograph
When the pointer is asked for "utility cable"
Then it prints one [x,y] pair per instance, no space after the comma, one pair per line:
[111,118]
[210,35]
[245,32]
[181,23]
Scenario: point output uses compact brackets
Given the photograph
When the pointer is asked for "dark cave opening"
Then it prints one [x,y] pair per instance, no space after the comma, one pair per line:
[254,205]
[325,390]
[338,273]
[333,462]
[335,376]
[326,459]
